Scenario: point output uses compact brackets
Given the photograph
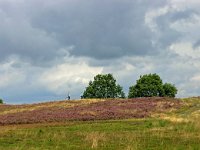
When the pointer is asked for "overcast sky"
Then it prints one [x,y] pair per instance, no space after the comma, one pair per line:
[51,47]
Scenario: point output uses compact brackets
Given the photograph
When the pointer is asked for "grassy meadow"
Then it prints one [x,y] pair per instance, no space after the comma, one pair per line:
[174,129]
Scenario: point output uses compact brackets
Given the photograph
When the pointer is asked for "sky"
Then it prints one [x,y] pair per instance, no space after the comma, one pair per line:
[49,48]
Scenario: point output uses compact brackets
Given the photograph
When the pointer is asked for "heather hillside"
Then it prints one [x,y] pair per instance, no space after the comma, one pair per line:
[130,124]
[85,110]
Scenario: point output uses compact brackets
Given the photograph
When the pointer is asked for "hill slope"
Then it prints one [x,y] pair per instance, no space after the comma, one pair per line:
[84,110]
[154,123]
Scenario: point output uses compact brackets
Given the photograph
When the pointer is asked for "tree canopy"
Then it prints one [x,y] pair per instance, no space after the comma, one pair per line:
[103,86]
[151,85]
[170,90]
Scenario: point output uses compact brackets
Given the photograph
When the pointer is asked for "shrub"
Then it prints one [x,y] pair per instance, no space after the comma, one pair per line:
[170,90]
[1,101]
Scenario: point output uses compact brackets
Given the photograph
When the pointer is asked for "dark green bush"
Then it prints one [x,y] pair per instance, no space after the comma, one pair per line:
[169,90]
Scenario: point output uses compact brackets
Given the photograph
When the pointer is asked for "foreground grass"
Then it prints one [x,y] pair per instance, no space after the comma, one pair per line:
[122,134]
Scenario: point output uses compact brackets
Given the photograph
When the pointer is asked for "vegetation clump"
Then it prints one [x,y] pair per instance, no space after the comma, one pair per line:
[103,86]
[1,101]
[151,85]
[169,90]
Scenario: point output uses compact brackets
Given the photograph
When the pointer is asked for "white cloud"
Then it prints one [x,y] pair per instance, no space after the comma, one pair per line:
[184,4]
[195,78]
[17,77]
[187,25]
[9,75]
[185,50]
[68,76]
[152,14]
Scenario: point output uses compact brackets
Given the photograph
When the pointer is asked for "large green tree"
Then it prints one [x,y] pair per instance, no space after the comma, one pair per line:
[103,86]
[151,85]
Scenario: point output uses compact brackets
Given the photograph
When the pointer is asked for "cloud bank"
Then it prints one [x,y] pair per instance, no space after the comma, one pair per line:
[50,48]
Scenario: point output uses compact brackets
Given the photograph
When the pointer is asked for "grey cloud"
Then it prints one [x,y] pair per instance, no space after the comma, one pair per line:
[183,14]
[170,35]
[99,29]
[110,34]
[196,44]
[19,38]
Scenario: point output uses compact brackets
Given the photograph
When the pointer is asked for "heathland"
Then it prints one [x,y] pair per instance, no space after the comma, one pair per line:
[139,123]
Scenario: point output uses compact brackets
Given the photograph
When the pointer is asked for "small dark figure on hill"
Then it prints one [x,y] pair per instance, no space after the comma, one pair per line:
[68,97]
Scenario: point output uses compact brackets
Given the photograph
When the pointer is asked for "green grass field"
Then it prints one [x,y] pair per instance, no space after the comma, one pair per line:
[173,130]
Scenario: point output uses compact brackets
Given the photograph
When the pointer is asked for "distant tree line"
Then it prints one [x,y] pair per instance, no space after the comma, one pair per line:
[149,85]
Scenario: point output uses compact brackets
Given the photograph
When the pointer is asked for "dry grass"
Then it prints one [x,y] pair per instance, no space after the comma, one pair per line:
[94,138]
[30,107]
[87,112]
